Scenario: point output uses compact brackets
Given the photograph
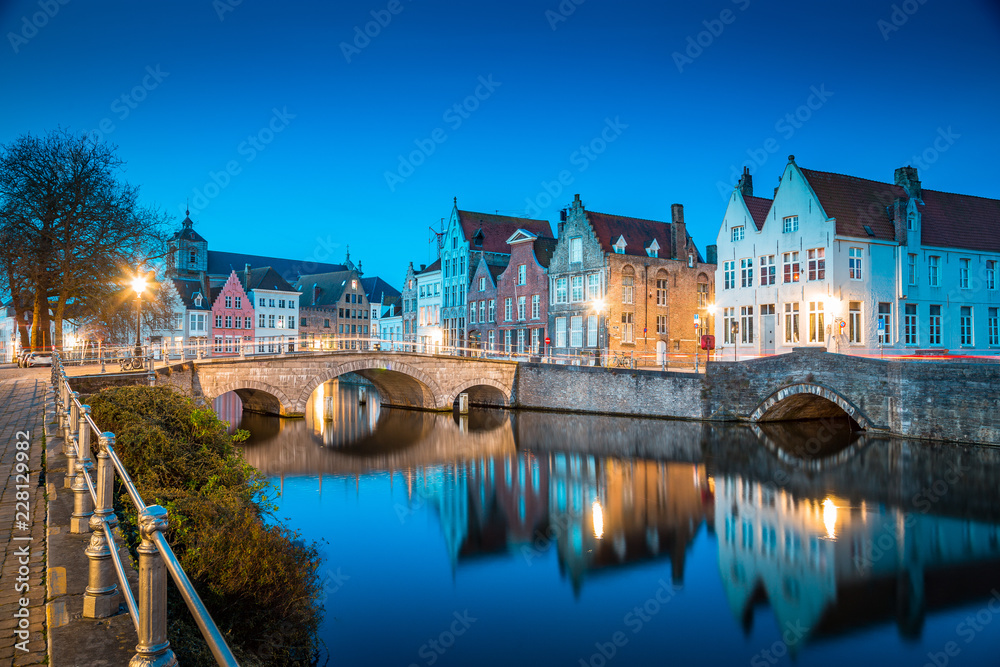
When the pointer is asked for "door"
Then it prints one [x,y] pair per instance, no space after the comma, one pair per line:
[767,334]
[661,352]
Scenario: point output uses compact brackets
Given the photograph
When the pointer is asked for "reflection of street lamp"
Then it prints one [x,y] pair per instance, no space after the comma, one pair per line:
[138,284]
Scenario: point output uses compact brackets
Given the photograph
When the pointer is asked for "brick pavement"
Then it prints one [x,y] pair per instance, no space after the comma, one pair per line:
[22,399]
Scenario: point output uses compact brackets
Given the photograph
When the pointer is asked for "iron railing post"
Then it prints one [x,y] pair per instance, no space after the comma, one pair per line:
[153,649]
[83,508]
[69,437]
[102,598]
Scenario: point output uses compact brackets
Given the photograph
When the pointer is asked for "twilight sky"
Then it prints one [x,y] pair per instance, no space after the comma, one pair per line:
[293,136]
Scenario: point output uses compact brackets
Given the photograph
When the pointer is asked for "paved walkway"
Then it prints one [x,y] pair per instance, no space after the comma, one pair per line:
[22,520]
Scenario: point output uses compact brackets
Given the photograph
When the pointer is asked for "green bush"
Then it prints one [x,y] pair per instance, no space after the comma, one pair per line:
[257,579]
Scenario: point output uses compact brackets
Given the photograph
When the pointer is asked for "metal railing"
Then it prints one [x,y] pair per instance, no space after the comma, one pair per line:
[93,502]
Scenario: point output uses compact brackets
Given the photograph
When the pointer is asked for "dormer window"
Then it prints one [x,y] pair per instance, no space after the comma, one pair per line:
[619,245]
[197,300]
[911,222]
[654,249]
[477,239]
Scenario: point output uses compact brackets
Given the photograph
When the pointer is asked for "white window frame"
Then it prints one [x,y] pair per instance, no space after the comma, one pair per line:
[790,224]
[854,263]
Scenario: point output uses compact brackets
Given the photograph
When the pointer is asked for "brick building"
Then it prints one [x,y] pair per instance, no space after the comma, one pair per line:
[409,305]
[627,286]
[523,294]
[482,300]
[334,310]
[232,317]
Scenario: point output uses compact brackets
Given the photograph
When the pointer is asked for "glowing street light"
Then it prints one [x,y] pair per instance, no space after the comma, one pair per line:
[139,285]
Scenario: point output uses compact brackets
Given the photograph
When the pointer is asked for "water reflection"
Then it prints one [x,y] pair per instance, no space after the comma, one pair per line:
[858,533]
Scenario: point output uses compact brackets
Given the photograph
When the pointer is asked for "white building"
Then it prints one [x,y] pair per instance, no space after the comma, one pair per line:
[276,306]
[10,343]
[429,334]
[858,267]
[390,330]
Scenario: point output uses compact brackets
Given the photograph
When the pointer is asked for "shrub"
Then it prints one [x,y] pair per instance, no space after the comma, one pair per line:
[258,581]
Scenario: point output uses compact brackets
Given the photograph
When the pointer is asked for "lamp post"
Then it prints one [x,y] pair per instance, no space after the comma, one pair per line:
[598,306]
[711,332]
[139,285]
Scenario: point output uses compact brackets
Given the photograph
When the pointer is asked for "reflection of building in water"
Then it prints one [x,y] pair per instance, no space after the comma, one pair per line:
[342,413]
[446,489]
[828,567]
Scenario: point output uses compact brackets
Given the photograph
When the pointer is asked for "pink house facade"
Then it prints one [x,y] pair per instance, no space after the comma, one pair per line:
[232,318]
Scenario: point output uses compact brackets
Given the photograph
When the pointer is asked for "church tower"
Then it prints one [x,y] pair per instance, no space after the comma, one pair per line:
[189,256]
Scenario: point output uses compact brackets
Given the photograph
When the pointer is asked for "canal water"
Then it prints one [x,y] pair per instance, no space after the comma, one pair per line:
[531,538]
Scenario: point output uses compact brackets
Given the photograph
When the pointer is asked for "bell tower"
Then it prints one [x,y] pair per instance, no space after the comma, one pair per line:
[189,256]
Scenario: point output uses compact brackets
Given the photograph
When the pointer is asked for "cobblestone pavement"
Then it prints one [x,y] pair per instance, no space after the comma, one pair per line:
[22,518]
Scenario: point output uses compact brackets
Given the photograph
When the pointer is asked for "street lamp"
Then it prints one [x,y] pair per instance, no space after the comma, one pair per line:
[711,331]
[139,285]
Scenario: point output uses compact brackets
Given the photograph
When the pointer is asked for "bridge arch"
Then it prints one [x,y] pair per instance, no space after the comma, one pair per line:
[805,400]
[399,384]
[258,397]
[482,391]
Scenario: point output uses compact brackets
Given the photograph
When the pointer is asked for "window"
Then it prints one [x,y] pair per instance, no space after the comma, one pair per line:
[493,309]
[218,343]
[910,324]
[281,303]
[790,266]
[229,321]
[229,301]
[422,288]
[791,224]
[520,341]
[933,270]
[746,324]
[506,341]
[702,295]
[576,288]
[963,273]
[817,263]
[737,233]
[817,326]
[218,321]
[934,326]
[620,245]
[239,302]
[482,284]
[854,263]
[576,331]
[993,326]
[197,322]
[661,292]
[492,340]
[729,273]
[854,321]
[536,340]
[911,269]
[560,332]
[728,320]
[521,307]
[592,330]
[628,289]
[472,313]
[628,335]
[536,306]
[270,302]
[791,323]
[594,286]
[193,257]
[178,321]
[482,311]
[522,274]
[661,324]
[281,321]
[911,222]
[248,322]
[262,302]
[746,272]
[885,317]
[991,274]
[508,305]
[576,249]
[965,326]
[562,294]
[766,270]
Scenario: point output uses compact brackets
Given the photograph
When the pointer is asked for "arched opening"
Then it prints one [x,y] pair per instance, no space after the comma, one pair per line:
[254,397]
[809,402]
[483,396]
[398,385]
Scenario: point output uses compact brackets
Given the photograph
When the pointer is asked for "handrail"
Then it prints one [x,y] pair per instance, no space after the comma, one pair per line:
[93,512]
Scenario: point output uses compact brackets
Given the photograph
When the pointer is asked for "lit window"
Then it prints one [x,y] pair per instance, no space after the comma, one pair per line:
[791,323]
[816,258]
[817,325]
[790,266]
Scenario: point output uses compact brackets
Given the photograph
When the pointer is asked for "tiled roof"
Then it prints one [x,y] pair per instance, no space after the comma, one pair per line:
[331,288]
[436,266]
[187,232]
[759,208]
[221,263]
[187,288]
[264,278]
[856,202]
[959,221]
[497,229]
[377,289]
[544,247]
[638,233]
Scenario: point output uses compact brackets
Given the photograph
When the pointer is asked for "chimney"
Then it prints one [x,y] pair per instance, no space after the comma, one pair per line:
[576,201]
[315,295]
[712,254]
[246,276]
[898,211]
[746,183]
[906,178]
[679,232]
[423,266]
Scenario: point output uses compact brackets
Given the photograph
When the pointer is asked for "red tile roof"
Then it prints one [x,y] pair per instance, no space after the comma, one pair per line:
[759,208]
[960,221]
[497,229]
[856,202]
[638,233]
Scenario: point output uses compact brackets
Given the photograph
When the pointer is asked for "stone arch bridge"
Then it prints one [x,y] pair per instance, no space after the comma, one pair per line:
[281,385]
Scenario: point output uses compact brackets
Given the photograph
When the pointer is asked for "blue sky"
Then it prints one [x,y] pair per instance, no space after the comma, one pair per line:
[293,136]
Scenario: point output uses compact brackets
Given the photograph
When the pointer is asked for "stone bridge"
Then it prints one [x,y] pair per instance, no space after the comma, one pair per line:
[282,384]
